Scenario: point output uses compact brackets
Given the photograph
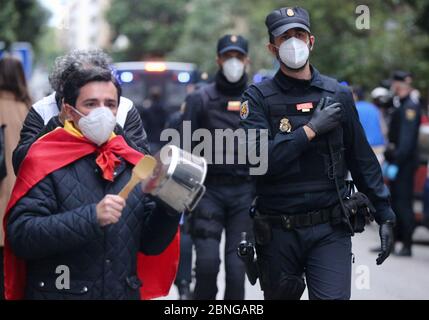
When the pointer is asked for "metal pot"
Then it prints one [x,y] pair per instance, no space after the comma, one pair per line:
[177,179]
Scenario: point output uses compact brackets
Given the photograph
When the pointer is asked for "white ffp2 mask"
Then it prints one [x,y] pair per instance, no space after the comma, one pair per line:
[233,69]
[294,53]
[98,125]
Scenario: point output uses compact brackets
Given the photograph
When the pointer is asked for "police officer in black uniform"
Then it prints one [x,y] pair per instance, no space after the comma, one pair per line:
[300,222]
[229,187]
[402,156]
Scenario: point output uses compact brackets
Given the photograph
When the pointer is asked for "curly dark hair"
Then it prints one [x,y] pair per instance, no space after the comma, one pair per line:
[75,60]
[76,80]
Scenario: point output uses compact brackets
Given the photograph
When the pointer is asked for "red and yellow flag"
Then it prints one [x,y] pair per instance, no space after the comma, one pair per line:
[58,149]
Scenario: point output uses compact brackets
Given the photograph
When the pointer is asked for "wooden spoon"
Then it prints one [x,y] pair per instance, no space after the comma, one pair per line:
[142,170]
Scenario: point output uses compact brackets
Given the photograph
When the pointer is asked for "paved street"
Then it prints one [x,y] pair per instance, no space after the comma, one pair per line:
[398,278]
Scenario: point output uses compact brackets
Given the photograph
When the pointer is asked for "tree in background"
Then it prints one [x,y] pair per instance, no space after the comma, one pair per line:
[151,26]
[365,57]
[207,20]
[398,37]
[421,8]
[362,57]
[22,20]
[8,21]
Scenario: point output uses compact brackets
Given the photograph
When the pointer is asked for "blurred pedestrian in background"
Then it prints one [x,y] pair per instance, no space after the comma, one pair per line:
[382,99]
[154,118]
[14,104]
[371,119]
[402,157]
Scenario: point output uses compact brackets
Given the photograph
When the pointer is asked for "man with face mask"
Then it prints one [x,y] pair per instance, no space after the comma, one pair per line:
[229,188]
[69,235]
[402,157]
[47,113]
[303,219]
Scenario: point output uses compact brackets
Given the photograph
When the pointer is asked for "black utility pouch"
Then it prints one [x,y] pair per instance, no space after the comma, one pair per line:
[262,230]
[360,211]
[358,221]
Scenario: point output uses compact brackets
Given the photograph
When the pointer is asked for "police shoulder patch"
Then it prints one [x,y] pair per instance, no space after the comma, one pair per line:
[244,110]
[410,114]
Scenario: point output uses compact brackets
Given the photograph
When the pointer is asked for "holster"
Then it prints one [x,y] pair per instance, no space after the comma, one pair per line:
[261,229]
[359,211]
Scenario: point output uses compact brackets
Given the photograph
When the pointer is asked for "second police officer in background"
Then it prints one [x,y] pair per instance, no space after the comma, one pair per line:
[402,157]
[299,224]
[229,188]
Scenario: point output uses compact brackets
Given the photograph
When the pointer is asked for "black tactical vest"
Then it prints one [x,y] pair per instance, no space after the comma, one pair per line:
[222,112]
[313,170]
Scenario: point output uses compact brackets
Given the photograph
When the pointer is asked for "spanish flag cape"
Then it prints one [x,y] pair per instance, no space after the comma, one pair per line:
[58,149]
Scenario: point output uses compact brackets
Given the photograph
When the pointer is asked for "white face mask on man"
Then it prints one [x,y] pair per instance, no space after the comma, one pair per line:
[233,69]
[98,125]
[294,53]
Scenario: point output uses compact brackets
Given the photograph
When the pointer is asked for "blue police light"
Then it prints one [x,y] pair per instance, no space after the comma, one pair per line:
[183,77]
[127,77]
[258,78]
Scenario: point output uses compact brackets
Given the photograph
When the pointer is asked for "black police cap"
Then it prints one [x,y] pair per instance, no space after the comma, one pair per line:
[400,75]
[232,42]
[281,20]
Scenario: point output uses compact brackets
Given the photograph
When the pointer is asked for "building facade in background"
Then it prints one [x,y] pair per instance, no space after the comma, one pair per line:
[85,26]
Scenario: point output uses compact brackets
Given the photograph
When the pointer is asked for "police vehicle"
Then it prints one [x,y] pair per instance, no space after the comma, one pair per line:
[173,81]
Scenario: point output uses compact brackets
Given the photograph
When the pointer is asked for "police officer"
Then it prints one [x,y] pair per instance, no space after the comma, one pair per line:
[312,141]
[229,189]
[402,156]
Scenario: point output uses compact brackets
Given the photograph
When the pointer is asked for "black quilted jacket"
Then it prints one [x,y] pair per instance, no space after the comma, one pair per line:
[55,225]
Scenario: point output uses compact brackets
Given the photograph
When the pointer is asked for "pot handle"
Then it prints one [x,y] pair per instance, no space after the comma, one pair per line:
[201,190]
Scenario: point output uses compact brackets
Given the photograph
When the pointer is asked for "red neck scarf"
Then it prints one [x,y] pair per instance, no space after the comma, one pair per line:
[106,159]
[58,149]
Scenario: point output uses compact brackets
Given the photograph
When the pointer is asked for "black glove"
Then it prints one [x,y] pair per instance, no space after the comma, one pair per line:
[389,154]
[326,117]
[386,237]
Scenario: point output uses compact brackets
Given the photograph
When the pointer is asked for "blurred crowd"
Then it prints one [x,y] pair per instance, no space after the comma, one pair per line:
[394,116]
